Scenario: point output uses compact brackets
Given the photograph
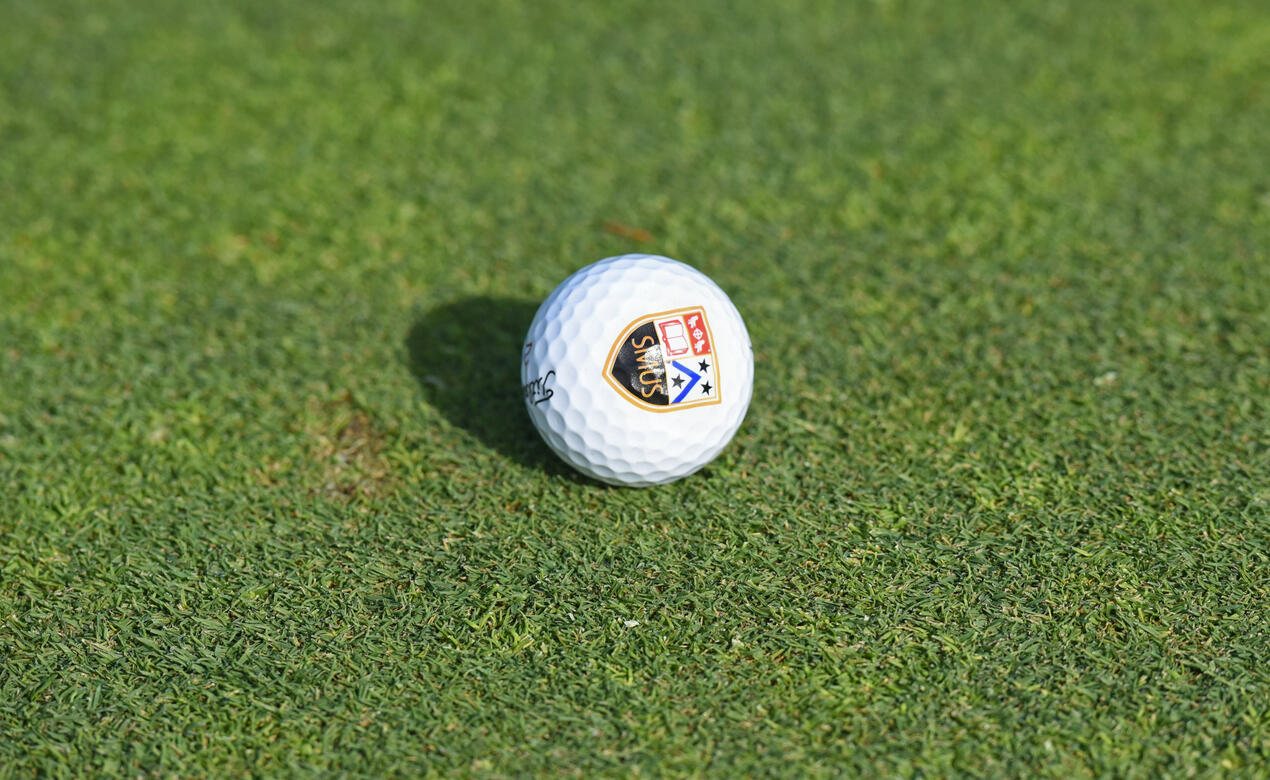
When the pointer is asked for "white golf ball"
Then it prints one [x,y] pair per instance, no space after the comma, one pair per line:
[637,370]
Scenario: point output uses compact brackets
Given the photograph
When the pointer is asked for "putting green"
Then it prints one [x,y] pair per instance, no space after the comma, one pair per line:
[269,502]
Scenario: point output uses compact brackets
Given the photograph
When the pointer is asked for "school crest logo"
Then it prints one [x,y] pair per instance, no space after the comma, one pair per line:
[665,361]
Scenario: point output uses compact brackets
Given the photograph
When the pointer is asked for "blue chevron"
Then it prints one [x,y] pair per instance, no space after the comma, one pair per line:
[695,379]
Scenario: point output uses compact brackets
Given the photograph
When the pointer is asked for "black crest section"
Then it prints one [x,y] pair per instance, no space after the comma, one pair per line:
[639,368]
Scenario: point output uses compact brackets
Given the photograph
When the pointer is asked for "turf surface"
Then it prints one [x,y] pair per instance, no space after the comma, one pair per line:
[270,503]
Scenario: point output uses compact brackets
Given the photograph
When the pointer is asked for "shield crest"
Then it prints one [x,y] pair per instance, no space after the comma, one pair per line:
[665,361]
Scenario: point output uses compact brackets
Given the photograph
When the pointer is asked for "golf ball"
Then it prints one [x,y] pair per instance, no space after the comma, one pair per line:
[637,370]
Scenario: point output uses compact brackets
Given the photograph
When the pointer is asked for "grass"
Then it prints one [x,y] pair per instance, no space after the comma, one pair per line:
[270,504]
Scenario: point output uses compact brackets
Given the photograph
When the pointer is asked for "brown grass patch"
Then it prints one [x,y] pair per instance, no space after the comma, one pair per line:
[348,447]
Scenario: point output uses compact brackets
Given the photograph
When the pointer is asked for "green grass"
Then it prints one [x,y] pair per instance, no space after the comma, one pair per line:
[269,502]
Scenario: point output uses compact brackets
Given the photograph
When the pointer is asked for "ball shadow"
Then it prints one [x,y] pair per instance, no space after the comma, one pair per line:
[465,354]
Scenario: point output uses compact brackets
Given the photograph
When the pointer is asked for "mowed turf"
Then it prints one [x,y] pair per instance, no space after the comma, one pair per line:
[269,501]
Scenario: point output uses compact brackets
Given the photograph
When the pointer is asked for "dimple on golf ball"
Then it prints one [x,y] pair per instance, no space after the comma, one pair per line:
[637,370]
